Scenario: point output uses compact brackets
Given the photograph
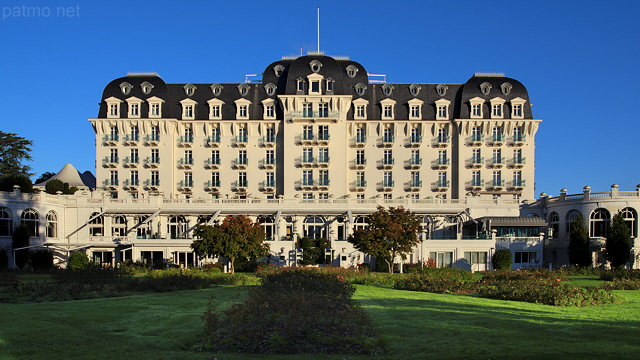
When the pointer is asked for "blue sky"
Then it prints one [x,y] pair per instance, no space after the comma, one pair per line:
[578,59]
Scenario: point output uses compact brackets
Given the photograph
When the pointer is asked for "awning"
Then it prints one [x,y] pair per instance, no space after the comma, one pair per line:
[514,220]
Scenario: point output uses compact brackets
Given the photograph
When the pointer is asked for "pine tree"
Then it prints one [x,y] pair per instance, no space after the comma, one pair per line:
[579,251]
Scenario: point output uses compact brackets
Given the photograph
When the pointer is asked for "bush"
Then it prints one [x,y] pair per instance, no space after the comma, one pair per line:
[296,310]
[9,181]
[41,259]
[4,259]
[78,260]
[443,280]
[547,293]
[501,260]
[620,274]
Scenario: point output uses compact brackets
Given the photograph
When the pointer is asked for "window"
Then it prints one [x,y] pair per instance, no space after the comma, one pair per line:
[352,70]
[270,158]
[475,178]
[387,111]
[361,135]
[517,111]
[307,110]
[215,109]
[216,89]
[388,157]
[415,179]
[270,179]
[517,108]
[177,227]
[269,226]
[599,223]
[323,110]
[155,109]
[442,157]
[315,65]
[442,259]
[517,156]
[630,216]
[300,85]
[188,157]
[554,225]
[360,108]
[307,177]
[415,109]
[360,89]
[134,107]
[52,224]
[315,87]
[442,136]
[307,155]
[359,111]
[414,89]
[243,111]
[314,227]
[571,216]
[113,107]
[476,110]
[323,178]
[496,134]
[133,178]
[307,196]
[442,179]
[155,133]
[188,179]
[485,88]
[119,226]
[497,156]
[506,88]
[329,85]
[242,179]
[323,155]
[387,89]
[155,178]
[146,87]
[242,135]
[441,89]
[188,108]
[517,179]
[387,135]
[387,180]
[270,89]
[415,136]
[155,156]
[442,109]
[360,180]
[215,179]
[415,157]
[6,222]
[96,225]
[189,89]
[525,257]
[360,158]
[323,132]
[496,108]
[270,111]
[113,178]
[476,157]
[278,69]
[125,87]
[476,258]
[497,178]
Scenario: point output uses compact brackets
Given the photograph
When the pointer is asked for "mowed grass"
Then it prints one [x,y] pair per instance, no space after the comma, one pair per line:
[415,325]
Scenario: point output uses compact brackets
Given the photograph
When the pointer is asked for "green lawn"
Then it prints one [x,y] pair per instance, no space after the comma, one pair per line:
[416,325]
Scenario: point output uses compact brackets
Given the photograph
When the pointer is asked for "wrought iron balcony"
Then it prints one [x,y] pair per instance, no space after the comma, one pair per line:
[497,184]
[110,161]
[185,141]
[359,141]
[213,163]
[241,141]
[213,141]
[241,163]
[269,141]
[441,185]
[387,141]
[269,163]
[152,139]
[359,185]
[517,184]
[152,161]
[517,163]
[414,141]
[413,163]
[131,139]
[131,161]
[440,163]
[152,184]
[415,185]
[475,140]
[475,162]
[475,185]
[496,162]
[111,139]
[517,140]
[441,141]
[386,163]
[496,140]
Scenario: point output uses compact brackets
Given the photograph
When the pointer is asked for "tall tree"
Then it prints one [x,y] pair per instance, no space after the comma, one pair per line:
[391,233]
[618,246]
[13,151]
[45,176]
[236,238]
[579,251]
[20,239]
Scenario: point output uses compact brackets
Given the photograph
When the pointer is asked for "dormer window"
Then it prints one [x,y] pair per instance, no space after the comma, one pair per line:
[189,89]
[243,89]
[188,109]
[476,105]
[360,109]
[125,87]
[442,109]
[134,107]
[300,85]
[387,89]
[329,85]
[270,89]
[269,106]
[242,108]
[352,70]
[215,109]
[113,107]
[146,87]
[314,84]
[517,108]
[496,108]
[155,107]
[360,89]
[414,89]
[387,109]
[216,89]
[278,70]
[315,66]
[441,89]
[485,88]
[506,88]
[415,109]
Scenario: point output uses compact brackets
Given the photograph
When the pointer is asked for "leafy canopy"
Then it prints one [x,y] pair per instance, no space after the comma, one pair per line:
[236,238]
[13,150]
[391,233]
[579,251]
[618,245]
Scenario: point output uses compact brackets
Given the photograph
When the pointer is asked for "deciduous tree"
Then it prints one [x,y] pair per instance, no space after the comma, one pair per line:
[236,238]
[391,233]
[579,251]
[45,176]
[618,245]
[13,151]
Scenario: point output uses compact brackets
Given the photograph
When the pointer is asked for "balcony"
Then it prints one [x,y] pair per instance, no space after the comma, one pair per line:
[212,163]
[132,139]
[413,163]
[440,163]
[415,185]
[475,140]
[241,185]
[322,161]
[517,185]
[441,141]
[496,140]
[186,185]
[322,184]
[110,184]
[475,185]
[387,141]
[152,185]
[517,140]
[131,184]
[152,162]
[307,184]
[268,186]
[185,163]
[269,141]
[387,185]
[496,162]
[359,141]
[323,139]
[307,138]
[213,186]
[414,141]
[152,139]
[359,163]
[131,161]
[110,161]
[441,185]
[317,115]
[241,141]
[185,141]
[475,162]
[517,163]
[241,163]
[269,163]
[496,185]
[386,163]
[306,161]
[111,139]
[359,185]
[213,141]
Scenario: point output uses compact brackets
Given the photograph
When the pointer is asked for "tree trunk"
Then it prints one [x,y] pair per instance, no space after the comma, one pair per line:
[232,266]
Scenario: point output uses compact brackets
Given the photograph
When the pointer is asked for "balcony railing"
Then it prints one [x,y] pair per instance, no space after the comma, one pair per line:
[441,141]
[269,162]
[152,161]
[268,184]
[497,184]
[185,163]
[322,182]
[110,182]
[111,138]
[440,163]
[415,141]
[518,140]
[475,139]
[131,183]
[441,185]
[359,140]
[241,162]
[322,161]
[213,184]
[185,141]
[213,163]
[307,114]
[241,184]
[387,140]
[213,140]
[306,160]
[388,183]
[386,163]
[517,184]
[496,162]
[413,163]
[185,184]
[110,161]
[269,140]
[475,162]
[132,138]
[360,184]
[497,139]
[152,139]
[131,161]
[517,162]
[152,183]
[241,140]
[415,184]
[476,184]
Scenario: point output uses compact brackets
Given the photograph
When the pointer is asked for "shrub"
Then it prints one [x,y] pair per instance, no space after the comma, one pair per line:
[533,274]
[502,259]
[4,259]
[78,260]
[547,293]
[620,274]
[7,183]
[41,259]
[443,280]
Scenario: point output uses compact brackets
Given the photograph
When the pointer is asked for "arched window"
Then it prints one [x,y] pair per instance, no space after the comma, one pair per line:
[599,222]
[630,216]
[178,227]
[143,230]
[119,226]
[361,223]
[31,220]
[554,224]
[568,219]
[426,227]
[52,224]
[96,225]
[6,222]
[268,223]
[314,227]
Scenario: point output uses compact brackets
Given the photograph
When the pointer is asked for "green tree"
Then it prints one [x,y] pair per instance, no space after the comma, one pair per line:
[618,246]
[312,250]
[391,233]
[236,238]
[78,260]
[579,251]
[501,259]
[9,181]
[13,151]
[20,239]
[44,177]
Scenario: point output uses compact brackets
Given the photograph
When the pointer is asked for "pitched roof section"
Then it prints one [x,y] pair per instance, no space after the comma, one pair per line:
[68,174]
